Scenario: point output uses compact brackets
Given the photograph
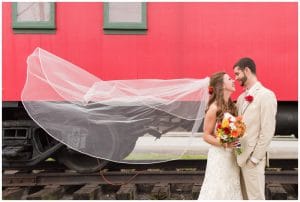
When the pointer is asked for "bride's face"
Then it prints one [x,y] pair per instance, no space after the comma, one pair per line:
[228,83]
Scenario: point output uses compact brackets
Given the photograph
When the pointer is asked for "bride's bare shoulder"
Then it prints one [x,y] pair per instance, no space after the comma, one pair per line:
[213,108]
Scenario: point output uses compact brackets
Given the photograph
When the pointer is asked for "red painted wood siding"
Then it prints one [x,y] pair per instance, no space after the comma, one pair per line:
[183,40]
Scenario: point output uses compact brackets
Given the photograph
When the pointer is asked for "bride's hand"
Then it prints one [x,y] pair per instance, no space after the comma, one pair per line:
[231,145]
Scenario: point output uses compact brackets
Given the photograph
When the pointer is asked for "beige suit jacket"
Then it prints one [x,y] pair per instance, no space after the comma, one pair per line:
[260,119]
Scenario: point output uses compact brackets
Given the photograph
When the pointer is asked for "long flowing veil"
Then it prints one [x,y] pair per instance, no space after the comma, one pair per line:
[141,120]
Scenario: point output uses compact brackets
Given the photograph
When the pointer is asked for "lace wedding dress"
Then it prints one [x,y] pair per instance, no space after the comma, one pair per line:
[222,176]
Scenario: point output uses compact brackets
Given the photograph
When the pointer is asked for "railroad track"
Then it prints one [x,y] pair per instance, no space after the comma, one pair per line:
[172,180]
[199,164]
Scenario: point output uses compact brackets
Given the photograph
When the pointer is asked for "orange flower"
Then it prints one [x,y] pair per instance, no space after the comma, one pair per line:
[239,130]
[234,133]
[239,118]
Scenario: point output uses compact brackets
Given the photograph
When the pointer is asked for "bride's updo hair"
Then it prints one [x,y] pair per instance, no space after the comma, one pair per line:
[216,92]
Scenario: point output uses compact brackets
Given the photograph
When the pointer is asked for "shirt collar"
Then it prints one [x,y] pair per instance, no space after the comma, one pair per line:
[251,90]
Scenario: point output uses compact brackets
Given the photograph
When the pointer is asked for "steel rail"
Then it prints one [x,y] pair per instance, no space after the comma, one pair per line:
[73,178]
[198,164]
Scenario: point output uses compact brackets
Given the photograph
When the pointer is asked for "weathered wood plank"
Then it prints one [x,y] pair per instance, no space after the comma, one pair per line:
[13,193]
[161,191]
[87,192]
[195,191]
[51,192]
[275,192]
[126,192]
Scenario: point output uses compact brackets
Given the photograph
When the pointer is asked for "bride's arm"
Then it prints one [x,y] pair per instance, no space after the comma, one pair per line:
[209,126]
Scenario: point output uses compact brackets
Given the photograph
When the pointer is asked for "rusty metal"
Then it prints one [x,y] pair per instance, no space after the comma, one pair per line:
[171,165]
[114,176]
[9,180]
[285,164]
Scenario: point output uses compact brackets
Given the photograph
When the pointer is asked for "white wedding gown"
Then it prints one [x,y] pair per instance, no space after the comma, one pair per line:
[222,176]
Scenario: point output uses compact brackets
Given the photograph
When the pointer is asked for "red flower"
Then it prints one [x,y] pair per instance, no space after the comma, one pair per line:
[249,98]
[227,131]
[210,90]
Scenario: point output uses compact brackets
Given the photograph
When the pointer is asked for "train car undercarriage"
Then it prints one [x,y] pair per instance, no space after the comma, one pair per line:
[25,144]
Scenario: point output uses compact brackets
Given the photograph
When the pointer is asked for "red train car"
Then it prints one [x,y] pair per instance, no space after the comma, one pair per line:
[157,40]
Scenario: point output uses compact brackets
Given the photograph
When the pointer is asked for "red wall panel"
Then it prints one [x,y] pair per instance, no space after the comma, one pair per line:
[183,40]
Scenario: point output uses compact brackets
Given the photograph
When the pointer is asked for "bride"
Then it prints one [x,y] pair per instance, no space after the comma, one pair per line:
[222,175]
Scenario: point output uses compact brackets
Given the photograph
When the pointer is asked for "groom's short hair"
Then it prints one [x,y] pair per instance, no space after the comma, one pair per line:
[246,62]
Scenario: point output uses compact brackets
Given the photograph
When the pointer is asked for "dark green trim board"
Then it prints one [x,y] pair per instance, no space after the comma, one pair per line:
[33,26]
[124,27]
[34,31]
[124,32]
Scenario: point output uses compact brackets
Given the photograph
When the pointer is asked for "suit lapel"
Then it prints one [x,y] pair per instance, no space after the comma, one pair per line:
[253,94]
[244,109]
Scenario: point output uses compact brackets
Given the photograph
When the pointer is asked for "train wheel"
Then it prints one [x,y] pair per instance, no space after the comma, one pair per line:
[80,162]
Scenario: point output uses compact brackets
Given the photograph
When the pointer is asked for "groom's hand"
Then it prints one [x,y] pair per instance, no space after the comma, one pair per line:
[232,144]
[250,164]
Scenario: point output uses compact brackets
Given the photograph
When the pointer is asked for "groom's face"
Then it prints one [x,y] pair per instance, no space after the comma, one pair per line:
[240,75]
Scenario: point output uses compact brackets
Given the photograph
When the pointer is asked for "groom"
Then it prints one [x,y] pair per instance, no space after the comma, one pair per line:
[258,107]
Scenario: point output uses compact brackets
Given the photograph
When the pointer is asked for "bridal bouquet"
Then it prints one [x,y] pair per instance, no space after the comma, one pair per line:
[231,129]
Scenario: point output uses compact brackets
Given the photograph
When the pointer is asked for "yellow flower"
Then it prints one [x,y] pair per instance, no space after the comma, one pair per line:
[225,123]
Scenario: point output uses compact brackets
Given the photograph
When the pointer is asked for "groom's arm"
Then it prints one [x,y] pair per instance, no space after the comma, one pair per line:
[268,122]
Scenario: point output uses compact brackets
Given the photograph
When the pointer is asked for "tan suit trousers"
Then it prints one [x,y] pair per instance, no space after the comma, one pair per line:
[253,181]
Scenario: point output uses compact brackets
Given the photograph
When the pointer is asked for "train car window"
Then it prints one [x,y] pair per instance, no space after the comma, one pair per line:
[33,17]
[125,18]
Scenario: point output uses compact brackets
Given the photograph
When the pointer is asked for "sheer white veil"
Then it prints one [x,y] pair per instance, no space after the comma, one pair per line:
[117,120]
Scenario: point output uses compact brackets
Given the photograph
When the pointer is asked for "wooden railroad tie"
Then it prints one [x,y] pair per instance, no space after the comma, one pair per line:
[275,192]
[50,192]
[87,192]
[161,191]
[13,193]
[126,192]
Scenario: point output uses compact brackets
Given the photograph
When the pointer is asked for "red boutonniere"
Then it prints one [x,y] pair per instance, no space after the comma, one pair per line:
[249,98]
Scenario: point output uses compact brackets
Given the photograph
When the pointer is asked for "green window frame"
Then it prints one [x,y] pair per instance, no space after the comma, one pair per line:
[33,26]
[125,27]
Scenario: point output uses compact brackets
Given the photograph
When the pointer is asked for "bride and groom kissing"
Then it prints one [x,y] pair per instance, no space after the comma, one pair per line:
[228,175]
